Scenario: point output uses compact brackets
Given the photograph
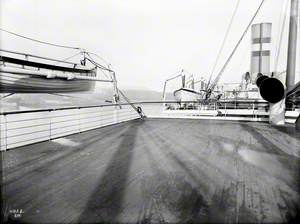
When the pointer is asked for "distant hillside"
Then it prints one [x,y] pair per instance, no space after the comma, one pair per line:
[140,95]
[35,101]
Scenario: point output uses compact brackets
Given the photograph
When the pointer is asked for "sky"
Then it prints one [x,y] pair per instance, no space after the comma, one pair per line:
[144,41]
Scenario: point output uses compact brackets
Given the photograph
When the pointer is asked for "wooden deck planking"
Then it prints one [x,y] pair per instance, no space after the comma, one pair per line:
[158,170]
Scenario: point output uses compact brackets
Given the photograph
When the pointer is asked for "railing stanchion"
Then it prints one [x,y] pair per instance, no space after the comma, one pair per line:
[5,132]
[79,123]
[49,123]
[50,126]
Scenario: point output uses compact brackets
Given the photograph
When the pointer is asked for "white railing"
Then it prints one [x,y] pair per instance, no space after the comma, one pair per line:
[224,110]
[26,127]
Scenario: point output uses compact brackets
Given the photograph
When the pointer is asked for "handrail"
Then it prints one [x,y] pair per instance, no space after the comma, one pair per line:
[43,65]
[55,109]
[119,104]
[51,124]
[35,56]
[58,122]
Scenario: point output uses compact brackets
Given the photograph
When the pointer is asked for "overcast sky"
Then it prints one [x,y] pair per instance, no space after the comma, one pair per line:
[145,41]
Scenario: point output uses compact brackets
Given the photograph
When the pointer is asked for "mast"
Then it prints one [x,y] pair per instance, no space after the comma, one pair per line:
[277,110]
[292,46]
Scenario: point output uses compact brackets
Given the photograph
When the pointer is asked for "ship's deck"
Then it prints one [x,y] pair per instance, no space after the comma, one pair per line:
[158,170]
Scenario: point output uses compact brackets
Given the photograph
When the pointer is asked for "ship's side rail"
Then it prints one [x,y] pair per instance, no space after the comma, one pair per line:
[241,110]
[20,128]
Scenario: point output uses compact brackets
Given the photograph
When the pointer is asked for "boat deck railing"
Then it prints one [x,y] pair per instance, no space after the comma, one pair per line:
[243,110]
[20,128]
[236,104]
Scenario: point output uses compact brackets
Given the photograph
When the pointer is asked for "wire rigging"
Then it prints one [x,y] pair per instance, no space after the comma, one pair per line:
[282,14]
[104,74]
[90,59]
[98,56]
[64,60]
[39,41]
[96,63]
[100,66]
[58,45]
[224,41]
[82,51]
[234,50]
[281,31]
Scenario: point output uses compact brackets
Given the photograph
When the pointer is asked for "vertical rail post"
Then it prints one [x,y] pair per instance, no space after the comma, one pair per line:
[5,116]
[50,126]
[292,45]
[79,122]
[101,116]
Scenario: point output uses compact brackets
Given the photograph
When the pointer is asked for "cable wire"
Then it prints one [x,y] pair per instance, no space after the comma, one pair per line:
[90,59]
[280,38]
[224,41]
[234,50]
[96,63]
[64,60]
[39,41]
[98,56]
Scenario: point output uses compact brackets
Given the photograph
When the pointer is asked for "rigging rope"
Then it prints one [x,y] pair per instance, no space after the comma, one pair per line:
[98,66]
[233,51]
[104,74]
[64,60]
[281,31]
[137,109]
[109,70]
[96,63]
[9,94]
[224,40]
[39,41]
[98,56]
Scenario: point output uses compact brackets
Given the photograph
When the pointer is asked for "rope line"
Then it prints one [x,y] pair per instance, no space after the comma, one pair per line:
[104,74]
[224,41]
[64,60]
[281,31]
[98,56]
[123,95]
[9,94]
[97,64]
[39,41]
[233,51]
[131,104]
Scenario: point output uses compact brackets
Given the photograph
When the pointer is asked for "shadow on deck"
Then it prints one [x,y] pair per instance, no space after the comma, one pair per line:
[157,171]
[105,202]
